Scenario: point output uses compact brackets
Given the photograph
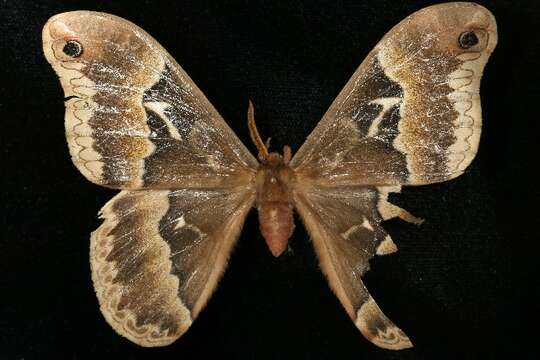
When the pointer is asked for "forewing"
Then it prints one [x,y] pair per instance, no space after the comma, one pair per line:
[134,119]
[411,112]
[344,225]
[158,256]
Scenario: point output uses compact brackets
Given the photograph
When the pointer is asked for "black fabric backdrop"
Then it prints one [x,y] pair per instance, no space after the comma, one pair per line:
[465,283]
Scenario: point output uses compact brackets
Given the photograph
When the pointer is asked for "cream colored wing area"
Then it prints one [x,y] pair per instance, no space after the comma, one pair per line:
[134,119]
[344,225]
[158,256]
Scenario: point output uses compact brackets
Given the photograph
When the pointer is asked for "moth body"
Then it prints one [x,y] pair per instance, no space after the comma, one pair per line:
[274,201]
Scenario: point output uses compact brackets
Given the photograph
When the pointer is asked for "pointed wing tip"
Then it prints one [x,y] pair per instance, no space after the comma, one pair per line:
[397,341]
[378,329]
[392,338]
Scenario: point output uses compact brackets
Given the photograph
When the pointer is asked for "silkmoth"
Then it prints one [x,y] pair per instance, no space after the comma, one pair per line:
[135,121]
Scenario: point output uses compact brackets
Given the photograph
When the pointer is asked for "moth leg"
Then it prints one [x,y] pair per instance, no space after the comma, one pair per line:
[267,143]
[388,210]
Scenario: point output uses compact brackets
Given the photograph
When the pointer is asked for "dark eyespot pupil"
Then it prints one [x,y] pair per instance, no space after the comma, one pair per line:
[72,48]
[468,39]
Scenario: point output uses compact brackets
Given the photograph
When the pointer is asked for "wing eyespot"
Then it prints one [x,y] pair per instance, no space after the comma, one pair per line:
[468,39]
[72,49]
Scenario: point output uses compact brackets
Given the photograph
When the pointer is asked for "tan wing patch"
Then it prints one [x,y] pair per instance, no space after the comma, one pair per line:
[78,132]
[466,101]
[388,210]
[387,246]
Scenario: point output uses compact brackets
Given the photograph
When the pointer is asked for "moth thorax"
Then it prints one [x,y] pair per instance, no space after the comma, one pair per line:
[276,223]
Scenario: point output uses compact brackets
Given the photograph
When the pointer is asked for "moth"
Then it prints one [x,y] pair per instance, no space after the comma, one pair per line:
[135,121]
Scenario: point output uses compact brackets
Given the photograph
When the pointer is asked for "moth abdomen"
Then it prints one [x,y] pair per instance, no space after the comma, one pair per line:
[277,225]
[274,201]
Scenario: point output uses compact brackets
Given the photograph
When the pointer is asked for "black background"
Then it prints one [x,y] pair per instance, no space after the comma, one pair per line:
[465,283]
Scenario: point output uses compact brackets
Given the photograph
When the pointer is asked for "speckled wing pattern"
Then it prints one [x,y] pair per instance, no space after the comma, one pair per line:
[135,121]
[410,115]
